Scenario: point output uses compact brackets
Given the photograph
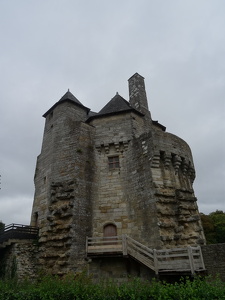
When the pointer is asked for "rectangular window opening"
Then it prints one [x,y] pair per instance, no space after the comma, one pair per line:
[113,162]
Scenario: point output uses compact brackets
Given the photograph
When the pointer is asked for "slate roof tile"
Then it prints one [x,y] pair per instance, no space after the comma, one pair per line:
[116,104]
[68,96]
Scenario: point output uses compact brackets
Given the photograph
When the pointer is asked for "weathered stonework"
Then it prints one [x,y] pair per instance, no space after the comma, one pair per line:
[19,260]
[147,195]
[214,258]
[118,268]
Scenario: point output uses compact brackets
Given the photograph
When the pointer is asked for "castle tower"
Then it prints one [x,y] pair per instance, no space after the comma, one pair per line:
[115,172]
[62,203]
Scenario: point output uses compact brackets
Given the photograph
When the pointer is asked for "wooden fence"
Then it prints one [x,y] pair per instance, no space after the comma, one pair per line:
[18,231]
[187,259]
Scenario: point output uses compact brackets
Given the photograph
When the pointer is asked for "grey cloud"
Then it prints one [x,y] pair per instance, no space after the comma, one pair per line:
[93,47]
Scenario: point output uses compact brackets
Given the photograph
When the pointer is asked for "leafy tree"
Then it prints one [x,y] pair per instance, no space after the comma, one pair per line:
[209,229]
[214,227]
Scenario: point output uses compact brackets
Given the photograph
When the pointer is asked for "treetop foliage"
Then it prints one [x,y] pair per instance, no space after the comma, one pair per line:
[214,227]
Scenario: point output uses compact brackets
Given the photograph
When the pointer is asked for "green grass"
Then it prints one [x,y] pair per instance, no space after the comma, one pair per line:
[81,287]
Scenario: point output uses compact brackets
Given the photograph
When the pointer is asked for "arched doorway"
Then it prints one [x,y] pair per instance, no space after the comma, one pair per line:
[109,230]
[110,233]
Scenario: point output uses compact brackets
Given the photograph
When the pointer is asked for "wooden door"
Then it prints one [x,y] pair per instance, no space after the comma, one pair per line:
[110,230]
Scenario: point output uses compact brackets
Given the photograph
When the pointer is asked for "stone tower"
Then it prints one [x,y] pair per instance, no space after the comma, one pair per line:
[111,173]
[63,184]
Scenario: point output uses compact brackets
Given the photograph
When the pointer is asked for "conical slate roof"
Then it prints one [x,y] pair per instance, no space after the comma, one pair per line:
[68,96]
[116,104]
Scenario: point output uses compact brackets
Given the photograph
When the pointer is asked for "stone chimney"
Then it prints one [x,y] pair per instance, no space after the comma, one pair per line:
[137,94]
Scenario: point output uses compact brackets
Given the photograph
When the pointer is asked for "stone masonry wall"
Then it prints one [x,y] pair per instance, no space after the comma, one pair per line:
[214,259]
[110,206]
[20,260]
[64,182]
[118,268]
[117,128]
[124,194]
[173,175]
[140,191]
[59,126]
[150,196]
[138,97]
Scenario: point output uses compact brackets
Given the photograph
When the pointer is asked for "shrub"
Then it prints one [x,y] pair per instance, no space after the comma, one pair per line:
[81,287]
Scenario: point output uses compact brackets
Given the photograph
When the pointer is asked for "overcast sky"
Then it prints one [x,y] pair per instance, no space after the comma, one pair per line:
[92,47]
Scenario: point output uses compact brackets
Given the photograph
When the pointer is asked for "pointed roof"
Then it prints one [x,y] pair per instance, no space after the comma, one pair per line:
[68,96]
[136,75]
[116,105]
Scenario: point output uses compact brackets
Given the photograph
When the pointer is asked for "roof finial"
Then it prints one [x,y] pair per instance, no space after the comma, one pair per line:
[68,90]
[117,93]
